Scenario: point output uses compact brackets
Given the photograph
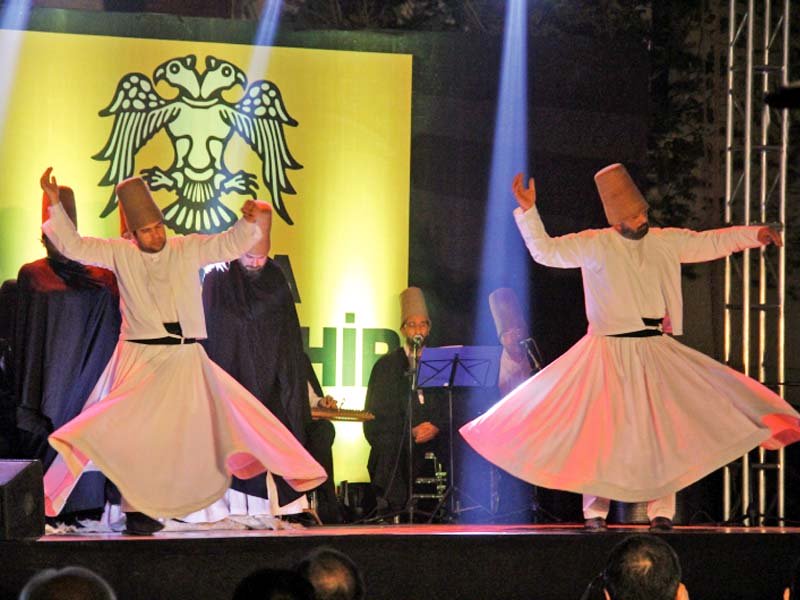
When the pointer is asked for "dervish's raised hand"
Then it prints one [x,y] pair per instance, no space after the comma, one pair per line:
[250,210]
[255,209]
[768,235]
[263,212]
[50,186]
[526,197]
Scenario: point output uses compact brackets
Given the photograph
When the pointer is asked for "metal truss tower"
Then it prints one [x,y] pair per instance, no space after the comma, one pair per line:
[755,193]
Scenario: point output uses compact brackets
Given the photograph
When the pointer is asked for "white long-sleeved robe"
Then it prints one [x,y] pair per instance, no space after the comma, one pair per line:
[164,422]
[629,418]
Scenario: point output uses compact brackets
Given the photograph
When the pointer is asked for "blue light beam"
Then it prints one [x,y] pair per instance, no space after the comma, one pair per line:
[502,262]
[260,52]
[265,36]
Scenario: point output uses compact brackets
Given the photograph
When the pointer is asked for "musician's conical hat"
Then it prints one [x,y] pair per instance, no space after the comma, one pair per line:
[67,199]
[412,304]
[506,311]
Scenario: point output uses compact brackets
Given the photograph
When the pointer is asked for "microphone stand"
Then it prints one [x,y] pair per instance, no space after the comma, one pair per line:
[533,354]
[410,416]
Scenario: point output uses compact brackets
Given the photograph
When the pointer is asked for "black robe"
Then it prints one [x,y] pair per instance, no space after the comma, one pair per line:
[254,334]
[67,326]
[320,434]
[387,398]
[8,420]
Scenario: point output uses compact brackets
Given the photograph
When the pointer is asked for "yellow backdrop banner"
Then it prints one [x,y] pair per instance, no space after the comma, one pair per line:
[324,135]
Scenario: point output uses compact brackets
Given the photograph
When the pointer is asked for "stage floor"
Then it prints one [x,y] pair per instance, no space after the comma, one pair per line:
[413,530]
[410,561]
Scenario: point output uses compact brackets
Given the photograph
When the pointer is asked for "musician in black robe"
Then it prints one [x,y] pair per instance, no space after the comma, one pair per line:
[387,398]
[66,327]
[254,334]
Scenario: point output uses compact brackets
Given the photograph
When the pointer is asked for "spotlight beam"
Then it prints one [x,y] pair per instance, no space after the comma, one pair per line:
[265,36]
[259,54]
[502,265]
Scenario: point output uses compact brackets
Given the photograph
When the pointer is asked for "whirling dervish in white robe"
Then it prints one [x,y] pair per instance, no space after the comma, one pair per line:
[629,413]
[166,424]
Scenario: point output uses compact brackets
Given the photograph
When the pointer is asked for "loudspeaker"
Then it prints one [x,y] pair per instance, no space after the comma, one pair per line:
[21,499]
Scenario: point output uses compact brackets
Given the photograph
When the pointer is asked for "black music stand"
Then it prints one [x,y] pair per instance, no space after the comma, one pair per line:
[452,367]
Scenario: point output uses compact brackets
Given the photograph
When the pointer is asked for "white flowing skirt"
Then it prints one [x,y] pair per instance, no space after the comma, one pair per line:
[631,419]
[169,427]
[234,504]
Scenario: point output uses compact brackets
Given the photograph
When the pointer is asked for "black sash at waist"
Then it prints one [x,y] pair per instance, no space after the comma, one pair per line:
[653,322]
[639,333]
[648,322]
[173,328]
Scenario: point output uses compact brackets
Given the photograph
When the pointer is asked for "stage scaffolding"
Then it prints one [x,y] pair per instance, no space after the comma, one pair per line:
[755,193]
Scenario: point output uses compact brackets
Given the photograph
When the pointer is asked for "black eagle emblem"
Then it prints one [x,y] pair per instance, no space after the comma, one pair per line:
[200,123]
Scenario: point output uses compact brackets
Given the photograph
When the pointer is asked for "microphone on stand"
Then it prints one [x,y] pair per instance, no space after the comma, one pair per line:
[532,352]
[416,344]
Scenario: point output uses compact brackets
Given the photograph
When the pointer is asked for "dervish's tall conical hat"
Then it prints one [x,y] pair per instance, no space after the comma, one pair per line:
[506,311]
[137,203]
[621,198]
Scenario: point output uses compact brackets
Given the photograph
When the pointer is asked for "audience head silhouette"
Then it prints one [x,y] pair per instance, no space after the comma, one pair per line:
[333,574]
[70,583]
[643,567]
[274,584]
[793,591]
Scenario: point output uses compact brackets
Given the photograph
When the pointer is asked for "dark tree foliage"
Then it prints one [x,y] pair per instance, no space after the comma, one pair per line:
[429,15]
[687,40]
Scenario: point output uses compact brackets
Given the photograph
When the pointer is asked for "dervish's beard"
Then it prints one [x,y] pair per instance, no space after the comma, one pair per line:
[634,234]
[252,272]
[152,250]
[252,263]
[250,268]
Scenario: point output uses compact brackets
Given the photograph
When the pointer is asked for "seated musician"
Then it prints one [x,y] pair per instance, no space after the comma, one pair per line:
[520,358]
[512,499]
[388,399]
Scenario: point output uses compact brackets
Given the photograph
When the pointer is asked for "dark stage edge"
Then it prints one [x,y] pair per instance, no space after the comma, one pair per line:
[410,562]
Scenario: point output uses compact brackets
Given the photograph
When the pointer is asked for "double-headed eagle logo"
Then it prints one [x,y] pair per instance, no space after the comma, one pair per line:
[200,123]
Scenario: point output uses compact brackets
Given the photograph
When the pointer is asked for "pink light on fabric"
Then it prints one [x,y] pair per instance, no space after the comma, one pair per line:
[572,425]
